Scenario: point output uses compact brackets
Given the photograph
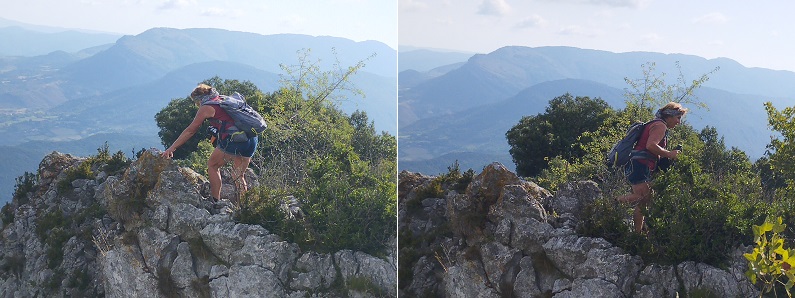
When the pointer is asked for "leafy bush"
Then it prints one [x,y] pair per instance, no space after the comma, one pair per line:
[703,207]
[7,214]
[53,230]
[341,171]
[770,260]
[24,185]
[537,139]
[116,164]
[696,214]
[264,207]
[82,171]
[102,161]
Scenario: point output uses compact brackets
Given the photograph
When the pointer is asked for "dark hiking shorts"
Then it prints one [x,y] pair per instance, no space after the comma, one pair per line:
[637,172]
[244,149]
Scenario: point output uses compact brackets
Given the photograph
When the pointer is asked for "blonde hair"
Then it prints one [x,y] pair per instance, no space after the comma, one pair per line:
[671,109]
[202,89]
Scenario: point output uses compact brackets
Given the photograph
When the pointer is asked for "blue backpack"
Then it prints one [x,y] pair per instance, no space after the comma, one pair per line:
[248,123]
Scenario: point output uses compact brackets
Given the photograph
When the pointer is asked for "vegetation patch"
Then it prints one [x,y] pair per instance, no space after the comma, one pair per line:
[166,284]
[24,185]
[201,286]
[7,214]
[14,264]
[341,171]
[102,161]
[365,286]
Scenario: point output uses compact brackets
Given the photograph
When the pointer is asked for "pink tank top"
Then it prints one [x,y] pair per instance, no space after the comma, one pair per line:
[644,139]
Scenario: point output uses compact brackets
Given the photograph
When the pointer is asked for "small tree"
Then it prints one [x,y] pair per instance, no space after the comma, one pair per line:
[537,139]
[770,261]
[781,151]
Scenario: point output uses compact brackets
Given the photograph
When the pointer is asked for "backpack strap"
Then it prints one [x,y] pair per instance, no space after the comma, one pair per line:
[224,127]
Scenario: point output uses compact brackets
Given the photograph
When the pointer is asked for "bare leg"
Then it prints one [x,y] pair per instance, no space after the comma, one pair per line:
[640,196]
[214,165]
[239,166]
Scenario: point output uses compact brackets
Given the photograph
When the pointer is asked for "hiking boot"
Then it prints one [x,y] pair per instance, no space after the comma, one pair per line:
[222,206]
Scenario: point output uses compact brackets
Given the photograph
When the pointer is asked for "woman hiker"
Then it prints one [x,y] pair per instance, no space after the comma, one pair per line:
[239,153]
[647,152]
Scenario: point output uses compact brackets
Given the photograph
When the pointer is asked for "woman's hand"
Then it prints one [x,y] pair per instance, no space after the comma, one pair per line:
[673,154]
[168,154]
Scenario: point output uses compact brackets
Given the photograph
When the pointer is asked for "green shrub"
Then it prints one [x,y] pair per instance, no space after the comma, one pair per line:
[339,210]
[263,206]
[82,171]
[7,214]
[365,286]
[116,164]
[54,230]
[453,179]
[24,185]
[14,264]
[770,261]
[79,279]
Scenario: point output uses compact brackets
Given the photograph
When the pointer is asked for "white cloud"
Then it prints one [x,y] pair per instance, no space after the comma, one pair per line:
[714,18]
[621,3]
[533,21]
[578,31]
[650,39]
[221,12]
[717,42]
[293,20]
[494,8]
[610,3]
[443,21]
[411,5]
[176,4]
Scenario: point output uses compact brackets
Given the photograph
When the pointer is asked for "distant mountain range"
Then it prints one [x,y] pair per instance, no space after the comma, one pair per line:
[72,100]
[461,114]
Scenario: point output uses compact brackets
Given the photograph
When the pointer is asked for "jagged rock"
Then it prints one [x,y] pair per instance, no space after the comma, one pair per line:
[359,265]
[698,276]
[511,238]
[159,238]
[466,210]
[594,287]
[247,281]
[519,219]
[124,274]
[525,285]
[424,277]
[314,271]
[593,258]
[572,197]
[181,270]
[467,280]
[501,264]
[657,281]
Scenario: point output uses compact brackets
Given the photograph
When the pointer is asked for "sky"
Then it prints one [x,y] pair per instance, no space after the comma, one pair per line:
[753,33]
[358,20]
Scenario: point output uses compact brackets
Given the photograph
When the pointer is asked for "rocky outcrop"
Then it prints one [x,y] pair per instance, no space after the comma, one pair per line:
[506,237]
[149,232]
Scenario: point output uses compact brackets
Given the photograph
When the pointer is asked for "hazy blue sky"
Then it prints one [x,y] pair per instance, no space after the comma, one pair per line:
[353,19]
[753,33]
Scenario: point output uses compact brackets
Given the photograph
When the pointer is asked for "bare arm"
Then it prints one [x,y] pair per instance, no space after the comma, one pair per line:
[656,134]
[204,112]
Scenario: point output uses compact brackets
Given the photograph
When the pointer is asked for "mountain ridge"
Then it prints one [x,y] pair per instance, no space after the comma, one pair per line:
[70,96]
[449,116]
